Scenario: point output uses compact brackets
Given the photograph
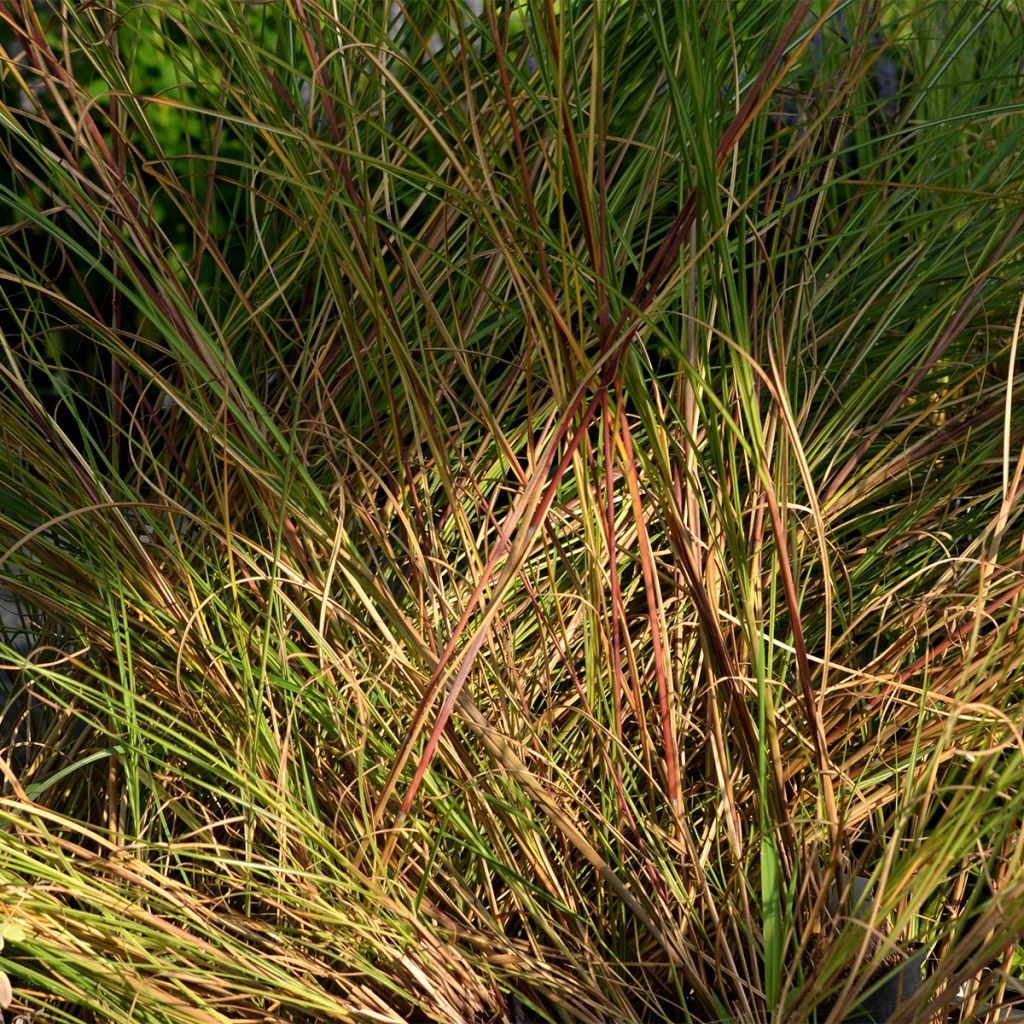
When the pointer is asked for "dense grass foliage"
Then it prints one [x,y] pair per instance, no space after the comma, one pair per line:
[510,513]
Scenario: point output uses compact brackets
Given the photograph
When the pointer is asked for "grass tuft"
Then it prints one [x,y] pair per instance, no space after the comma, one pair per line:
[510,511]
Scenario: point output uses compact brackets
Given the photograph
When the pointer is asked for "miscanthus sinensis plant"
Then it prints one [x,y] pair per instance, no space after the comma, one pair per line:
[510,510]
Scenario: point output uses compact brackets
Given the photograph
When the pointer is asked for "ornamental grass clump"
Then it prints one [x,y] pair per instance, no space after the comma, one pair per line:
[511,511]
